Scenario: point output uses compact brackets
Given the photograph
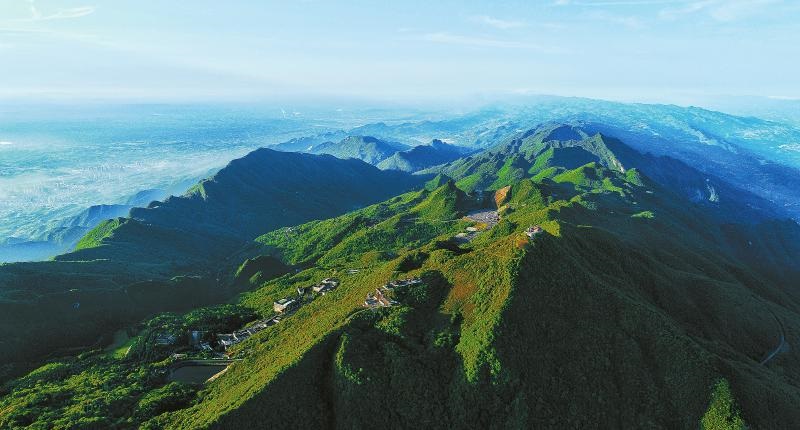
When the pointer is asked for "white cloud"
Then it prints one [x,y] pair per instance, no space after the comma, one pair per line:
[455,39]
[632,22]
[35,15]
[483,42]
[75,12]
[673,13]
[719,10]
[498,23]
[736,10]
[784,98]
[603,3]
[552,25]
[5,143]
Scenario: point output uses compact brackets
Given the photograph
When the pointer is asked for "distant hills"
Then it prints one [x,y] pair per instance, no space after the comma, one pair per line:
[195,235]
[658,288]
[384,154]
[262,191]
[364,148]
[641,305]
[423,156]
[61,236]
[546,151]
[756,155]
[307,143]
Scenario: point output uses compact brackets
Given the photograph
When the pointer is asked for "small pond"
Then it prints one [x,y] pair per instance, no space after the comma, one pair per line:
[196,374]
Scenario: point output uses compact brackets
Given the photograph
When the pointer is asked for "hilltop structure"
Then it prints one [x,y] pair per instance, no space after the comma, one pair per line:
[326,285]
[533,231]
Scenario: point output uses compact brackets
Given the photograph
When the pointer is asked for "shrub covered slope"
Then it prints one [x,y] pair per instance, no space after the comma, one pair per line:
[638,306]
[100,286]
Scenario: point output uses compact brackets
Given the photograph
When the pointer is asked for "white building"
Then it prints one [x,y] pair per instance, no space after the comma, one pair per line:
[283,305]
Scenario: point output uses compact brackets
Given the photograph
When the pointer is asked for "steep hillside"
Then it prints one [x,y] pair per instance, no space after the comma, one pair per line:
[87,293]
[61,236]
[750,167]
[423,156]
[365,148]
[262,191]
[635,307]
[568,331]
[306,143]
[549,149]
[751,154]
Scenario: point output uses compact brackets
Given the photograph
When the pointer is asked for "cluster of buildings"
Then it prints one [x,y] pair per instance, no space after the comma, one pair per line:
[533,231]
[326,285]
[227,340]
[166,338]
[467,236]
[488,217]
[378,298]
[288,304]
[281,307]
[391,285]
[285,304]
[196,340]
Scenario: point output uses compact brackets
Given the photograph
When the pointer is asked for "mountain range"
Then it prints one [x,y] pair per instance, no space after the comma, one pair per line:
[758,154]
[384,154]
[192,237]
[62,235]
[568,274]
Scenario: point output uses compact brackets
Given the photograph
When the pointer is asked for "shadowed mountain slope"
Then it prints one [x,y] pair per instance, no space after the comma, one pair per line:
[423,156]
[548,150]
[626,313]
[365,148]
[634,305]
[91,290]
[262,191]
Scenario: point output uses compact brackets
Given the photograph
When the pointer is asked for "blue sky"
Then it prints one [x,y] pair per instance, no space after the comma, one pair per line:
[411,51]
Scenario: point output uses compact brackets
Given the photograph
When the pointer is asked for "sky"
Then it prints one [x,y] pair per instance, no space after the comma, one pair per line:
[409,51]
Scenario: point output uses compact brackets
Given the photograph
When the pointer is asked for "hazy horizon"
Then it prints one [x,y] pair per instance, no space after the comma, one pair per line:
[655,51]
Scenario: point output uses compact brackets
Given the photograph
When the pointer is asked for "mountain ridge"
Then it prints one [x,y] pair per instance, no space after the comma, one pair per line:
[191,236]
[365,148]
[422,157]
[639,304]
[574,299]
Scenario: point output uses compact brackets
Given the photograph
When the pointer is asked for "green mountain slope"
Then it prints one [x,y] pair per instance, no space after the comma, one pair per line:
[550,149]
[626,322]
[365,148]
[422,156]
[264,190]
[637,307]
[306,143]
[86,293]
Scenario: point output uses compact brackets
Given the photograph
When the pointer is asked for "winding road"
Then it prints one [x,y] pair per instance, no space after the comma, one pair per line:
[781,344]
